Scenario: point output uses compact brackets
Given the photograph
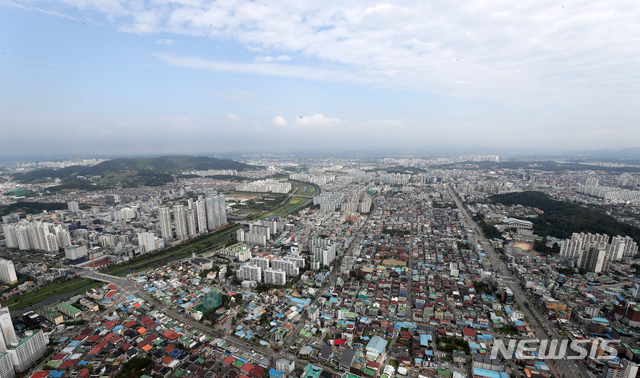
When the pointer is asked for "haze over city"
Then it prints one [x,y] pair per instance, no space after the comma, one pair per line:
[103,77]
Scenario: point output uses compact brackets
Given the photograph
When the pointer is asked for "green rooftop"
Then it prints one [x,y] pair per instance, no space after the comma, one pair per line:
[68,307]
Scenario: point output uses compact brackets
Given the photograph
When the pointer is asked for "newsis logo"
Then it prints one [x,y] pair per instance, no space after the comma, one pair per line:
[553,349]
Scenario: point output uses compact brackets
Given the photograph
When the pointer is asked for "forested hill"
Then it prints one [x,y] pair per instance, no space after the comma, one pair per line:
[132,172]
[561,219]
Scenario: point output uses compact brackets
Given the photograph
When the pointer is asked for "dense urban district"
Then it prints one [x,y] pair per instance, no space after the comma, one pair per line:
[283,267]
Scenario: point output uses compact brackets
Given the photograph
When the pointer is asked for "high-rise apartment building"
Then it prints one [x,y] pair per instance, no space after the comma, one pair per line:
[6,367]
[275,277]
[249,272]
[22,352]
[147,241]
[180,220]
[192,227]
[288,266]
[73,206]
[593,259]
[262,262]
[323,250]
[201,216]
[164,215]
[7,272]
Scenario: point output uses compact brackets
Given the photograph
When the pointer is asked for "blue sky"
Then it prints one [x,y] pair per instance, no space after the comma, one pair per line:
[152,77]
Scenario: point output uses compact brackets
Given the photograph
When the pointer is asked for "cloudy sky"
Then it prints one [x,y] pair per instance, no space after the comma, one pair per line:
[163,76]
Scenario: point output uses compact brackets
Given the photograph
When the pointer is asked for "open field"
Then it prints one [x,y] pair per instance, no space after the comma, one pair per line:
[34,297]
[290,206]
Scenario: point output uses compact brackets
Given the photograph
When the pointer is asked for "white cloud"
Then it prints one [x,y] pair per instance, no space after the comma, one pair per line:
[268,58]
[167,42]
[475,48]
[279,121]
[233,118]
[317,120]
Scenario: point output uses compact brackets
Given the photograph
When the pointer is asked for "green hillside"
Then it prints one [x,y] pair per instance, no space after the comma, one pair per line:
[561,219]
[129,172]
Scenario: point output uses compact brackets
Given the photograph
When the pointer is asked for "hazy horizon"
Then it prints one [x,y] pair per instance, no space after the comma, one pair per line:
[102,78]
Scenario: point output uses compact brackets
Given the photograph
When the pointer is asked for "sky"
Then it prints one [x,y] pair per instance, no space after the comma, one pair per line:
[88,77]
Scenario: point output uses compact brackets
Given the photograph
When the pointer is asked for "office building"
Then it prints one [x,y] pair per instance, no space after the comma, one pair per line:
[164,215]
[7,272]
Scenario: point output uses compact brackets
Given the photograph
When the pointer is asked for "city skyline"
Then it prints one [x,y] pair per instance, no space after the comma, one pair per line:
[156,78]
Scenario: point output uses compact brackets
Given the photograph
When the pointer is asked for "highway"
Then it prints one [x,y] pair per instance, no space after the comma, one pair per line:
[565,366]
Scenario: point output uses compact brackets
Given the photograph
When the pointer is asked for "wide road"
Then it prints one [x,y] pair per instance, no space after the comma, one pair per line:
[568,368]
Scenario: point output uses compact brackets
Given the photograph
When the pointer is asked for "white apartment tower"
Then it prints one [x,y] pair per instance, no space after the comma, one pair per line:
[6,367]
[191,222]
[22,353]
[288,266]
[164,215]
[147,240]
[323,250]
[201,216]
[250,273]
[262,262]
[7,272]
[275,277]
[73,206]
[180,219]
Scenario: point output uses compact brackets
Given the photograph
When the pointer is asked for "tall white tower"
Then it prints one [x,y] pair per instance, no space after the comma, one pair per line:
[164,215]
[8,332]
